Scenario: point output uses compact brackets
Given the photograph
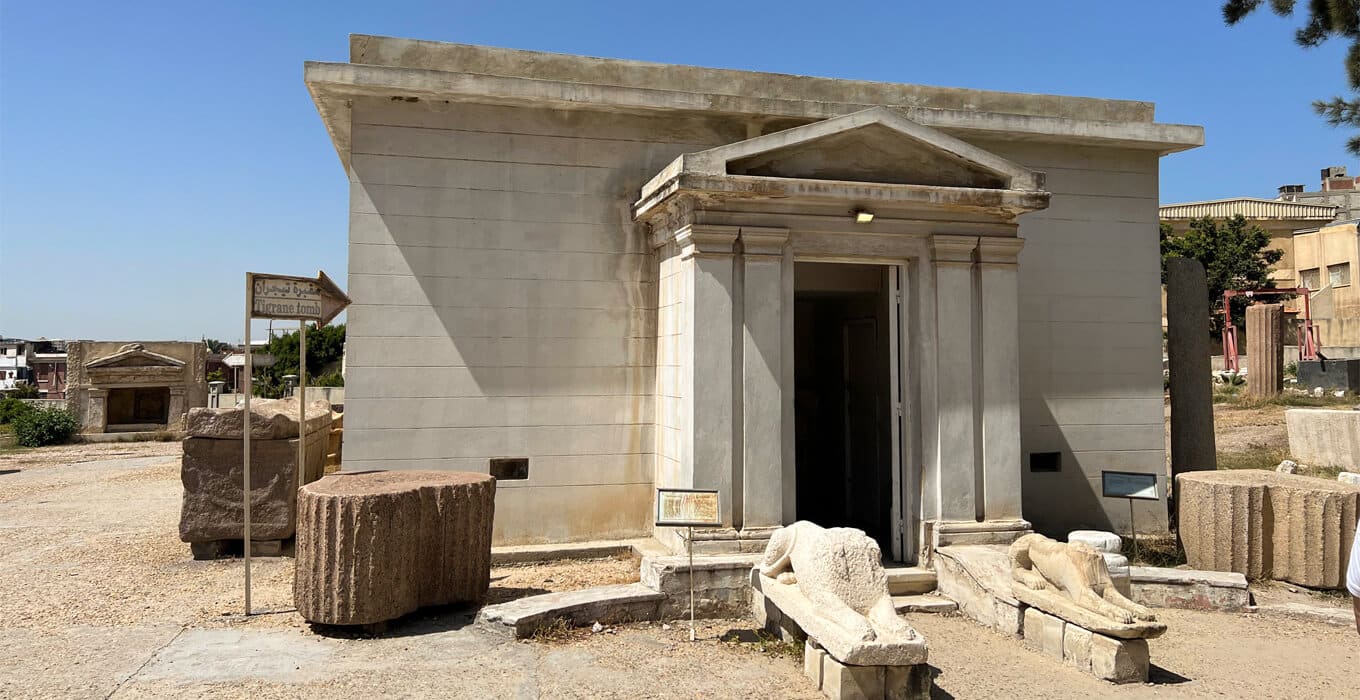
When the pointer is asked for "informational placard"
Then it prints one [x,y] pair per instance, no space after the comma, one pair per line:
[286,296]
[687,508]
[1129,485]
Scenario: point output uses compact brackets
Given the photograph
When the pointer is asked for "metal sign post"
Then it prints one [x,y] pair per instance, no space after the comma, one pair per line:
[288,297]
[688,508]
[1135,486]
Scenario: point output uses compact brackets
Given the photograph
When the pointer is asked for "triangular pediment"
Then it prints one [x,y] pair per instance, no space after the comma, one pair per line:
[875,145]
[135,355]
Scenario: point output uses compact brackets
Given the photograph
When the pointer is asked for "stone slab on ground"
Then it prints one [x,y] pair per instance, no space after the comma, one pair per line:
[722,584]
[1266,524]
[374,546]
[909,580]
[1341,617]
[532,553]
[924,603]
[628,602]
[210,472]
[791,605]
[270,419]
[978,578]
[1324,437]
[1189,589]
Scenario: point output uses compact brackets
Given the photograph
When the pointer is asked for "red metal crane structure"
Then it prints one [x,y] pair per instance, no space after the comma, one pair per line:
[1307,333]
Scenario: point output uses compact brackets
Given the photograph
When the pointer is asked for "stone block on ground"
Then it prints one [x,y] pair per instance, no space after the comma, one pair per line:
[1044,632]
[1264,524]
[628,602]
[270,419]
[374,546]
[1352,478]
[1324,437]
[978,578]
[1223,591]
[844,682]
[210,472]
[1119,660]
[1077,647]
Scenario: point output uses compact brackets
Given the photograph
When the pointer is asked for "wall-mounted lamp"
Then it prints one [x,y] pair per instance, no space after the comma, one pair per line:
[863,217]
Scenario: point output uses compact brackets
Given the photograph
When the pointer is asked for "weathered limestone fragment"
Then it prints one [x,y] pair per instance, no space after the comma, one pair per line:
[270,419]
[1187,349]
[211,471]
[373,546]
[1265,351]
[1323,437]
[1264,524]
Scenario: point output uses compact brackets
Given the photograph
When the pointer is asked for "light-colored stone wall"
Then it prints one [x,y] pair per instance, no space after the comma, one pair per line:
[504,306]
[1090,335]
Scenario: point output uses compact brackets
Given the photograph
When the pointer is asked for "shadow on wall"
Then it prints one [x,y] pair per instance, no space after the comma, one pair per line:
[1057,501]
[519,305]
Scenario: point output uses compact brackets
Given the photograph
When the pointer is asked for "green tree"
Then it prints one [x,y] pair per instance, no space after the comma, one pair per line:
[218,347]
[325,347]
[1326,19]
[1234,253]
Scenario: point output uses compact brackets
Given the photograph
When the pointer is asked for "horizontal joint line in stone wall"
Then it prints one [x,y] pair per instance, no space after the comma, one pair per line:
[697,146]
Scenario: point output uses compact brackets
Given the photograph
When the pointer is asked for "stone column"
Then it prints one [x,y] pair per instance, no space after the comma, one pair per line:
[1000,389]
[1265,352]
[176,411]
[1187,351]
[762,371]
[955,370]
[96,411]
[707,448]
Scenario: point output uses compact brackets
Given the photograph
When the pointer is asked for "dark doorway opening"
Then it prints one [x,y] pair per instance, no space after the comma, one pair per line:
[843,397]
[138,407]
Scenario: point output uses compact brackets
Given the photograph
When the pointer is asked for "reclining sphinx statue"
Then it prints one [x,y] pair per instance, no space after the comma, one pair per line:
[840,571]
[1076,571]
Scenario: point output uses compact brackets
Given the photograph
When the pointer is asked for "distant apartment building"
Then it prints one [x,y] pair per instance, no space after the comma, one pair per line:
[1279,218]
[40,363]
[1337,189]
[1327,258]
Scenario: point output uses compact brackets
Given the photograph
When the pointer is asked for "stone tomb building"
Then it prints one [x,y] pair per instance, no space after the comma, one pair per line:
[128,387]
[930,313]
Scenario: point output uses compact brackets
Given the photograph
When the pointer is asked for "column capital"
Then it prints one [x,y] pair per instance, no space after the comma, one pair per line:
[1002,250]
[763,241]
[952,249]
[706,240]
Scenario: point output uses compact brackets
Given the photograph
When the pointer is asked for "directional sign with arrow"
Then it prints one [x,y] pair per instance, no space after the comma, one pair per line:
[285,296]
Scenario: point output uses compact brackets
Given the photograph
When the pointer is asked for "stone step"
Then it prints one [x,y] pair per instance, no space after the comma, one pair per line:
[910,580]
[927,603]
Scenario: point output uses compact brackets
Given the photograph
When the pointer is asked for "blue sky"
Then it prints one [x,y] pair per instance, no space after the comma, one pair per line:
[151,153]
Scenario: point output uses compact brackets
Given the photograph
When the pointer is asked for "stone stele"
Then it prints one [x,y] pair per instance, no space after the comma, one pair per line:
[270,419]
[1263,524]
[373,546]
[1071,582]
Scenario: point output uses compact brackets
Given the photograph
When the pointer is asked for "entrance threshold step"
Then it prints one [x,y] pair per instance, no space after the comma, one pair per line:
[909,580]
[928,603]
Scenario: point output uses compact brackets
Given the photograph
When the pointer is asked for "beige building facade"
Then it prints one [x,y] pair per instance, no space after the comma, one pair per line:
[1279,218]
[930,313]
[1327,258]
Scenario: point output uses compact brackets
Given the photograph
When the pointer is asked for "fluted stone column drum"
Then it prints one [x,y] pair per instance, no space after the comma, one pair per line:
[374,546]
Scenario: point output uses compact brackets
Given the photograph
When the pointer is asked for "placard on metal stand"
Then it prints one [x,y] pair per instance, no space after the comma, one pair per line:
[287,297]
[1135,486]
[688,508]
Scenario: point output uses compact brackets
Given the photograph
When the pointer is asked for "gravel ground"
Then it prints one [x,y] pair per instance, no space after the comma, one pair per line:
[99,598]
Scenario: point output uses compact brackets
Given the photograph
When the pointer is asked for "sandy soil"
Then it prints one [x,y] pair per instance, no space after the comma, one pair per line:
[1245,429]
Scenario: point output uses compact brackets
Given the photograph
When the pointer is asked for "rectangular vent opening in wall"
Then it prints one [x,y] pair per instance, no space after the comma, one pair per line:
[504,468]
[1045,461]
